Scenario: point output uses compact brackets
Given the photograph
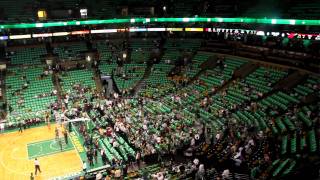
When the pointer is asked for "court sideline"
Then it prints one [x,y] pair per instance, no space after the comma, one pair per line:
[14,161]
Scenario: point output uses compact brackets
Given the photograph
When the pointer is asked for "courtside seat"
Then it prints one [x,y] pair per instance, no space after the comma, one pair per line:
[107,152]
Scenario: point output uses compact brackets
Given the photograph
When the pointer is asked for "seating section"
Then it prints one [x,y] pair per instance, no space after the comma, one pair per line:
[159,74]
[170,56]
[28,92]
[309,9]
[263,79]
[102,9]
[69,51]
[133,73]
[27,56]
[219,75]
[279,100]
[182,44]
[140,56]
[194,67]
[184,8]
[306,88]
[141,49]
[76,77]
[228,106]
[146,44]
[107,69]
[104,51]
[19,10]
[258,118]
[123,152]
[69,3]
[154,110]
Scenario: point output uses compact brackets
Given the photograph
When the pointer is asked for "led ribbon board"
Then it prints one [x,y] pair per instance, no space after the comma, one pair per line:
[100,31]
[42,35]
[24,36]
[156,29]
[164,20]
[175,29]
[137,29]
[60,33]
[4,38]
[194,29]
[80,32]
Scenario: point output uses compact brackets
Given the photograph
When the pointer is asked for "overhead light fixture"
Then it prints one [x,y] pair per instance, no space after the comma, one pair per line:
[42,14]
[124,55]
[84,13]
[88,58]
[164,8]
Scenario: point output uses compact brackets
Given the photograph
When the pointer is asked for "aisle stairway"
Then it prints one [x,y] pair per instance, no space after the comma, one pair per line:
[142,83]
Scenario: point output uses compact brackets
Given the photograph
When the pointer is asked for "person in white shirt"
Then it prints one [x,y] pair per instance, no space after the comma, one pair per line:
[37,166]
[84,167]
[99,176]
[55,92]
[1,127]
[226,174]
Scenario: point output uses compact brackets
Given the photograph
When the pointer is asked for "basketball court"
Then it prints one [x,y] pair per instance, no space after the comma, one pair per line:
[18,150]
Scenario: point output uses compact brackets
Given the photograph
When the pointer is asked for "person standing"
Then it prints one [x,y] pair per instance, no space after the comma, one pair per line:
[60,144]
[65,136]
[31,176]
[95,154]
[84,167]
[104,157]
[37,166]
[47,119]
[90,157]
[56,133]
[20,127]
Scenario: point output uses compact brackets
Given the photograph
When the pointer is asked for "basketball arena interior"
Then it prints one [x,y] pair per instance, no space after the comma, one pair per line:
[159,89]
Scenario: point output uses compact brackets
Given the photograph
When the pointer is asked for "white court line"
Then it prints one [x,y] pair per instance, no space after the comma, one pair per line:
[4,165]
[49,153]
[38,154]
[77,152]
[5,148]
[39,142]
